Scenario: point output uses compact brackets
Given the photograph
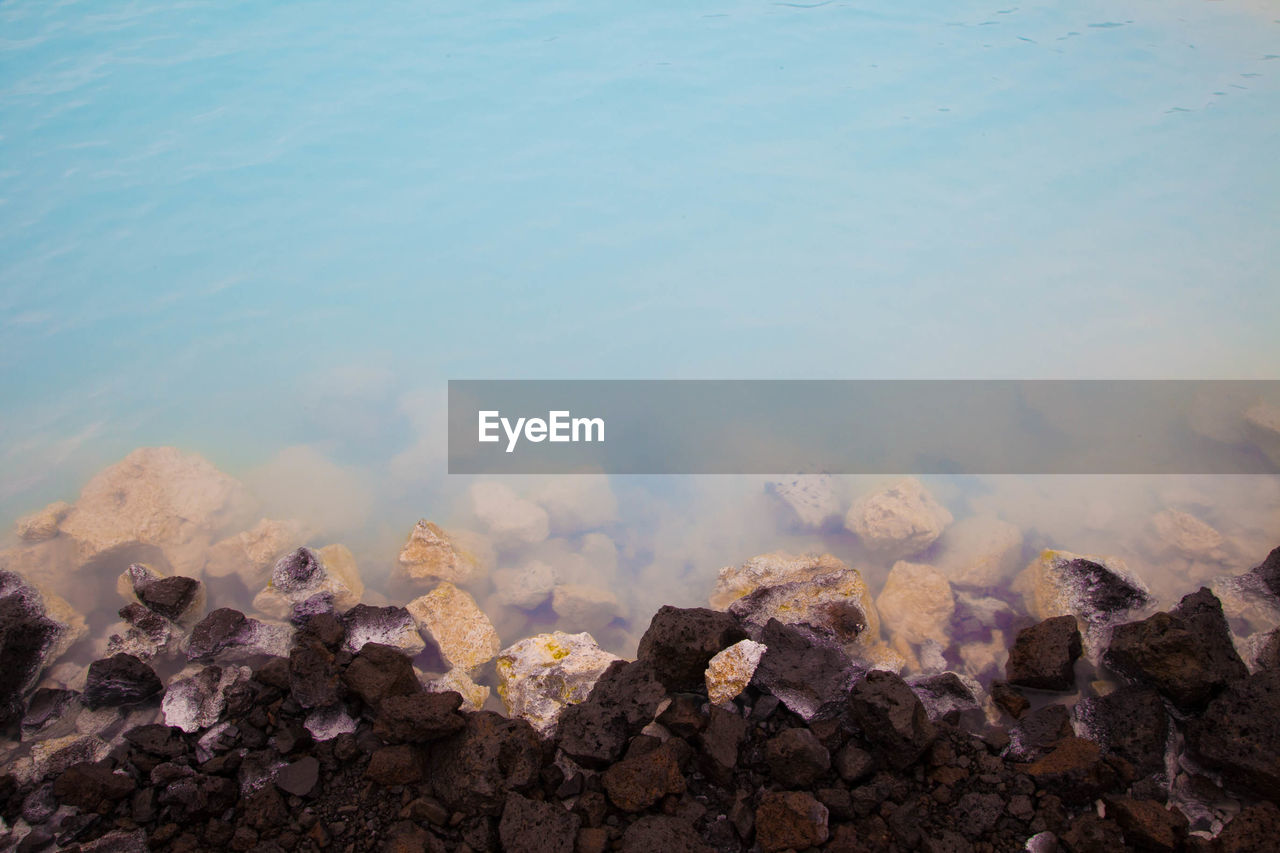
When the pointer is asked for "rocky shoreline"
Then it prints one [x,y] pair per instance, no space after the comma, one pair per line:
[804,749]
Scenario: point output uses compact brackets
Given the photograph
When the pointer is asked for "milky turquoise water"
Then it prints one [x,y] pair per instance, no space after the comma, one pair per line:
[268,233]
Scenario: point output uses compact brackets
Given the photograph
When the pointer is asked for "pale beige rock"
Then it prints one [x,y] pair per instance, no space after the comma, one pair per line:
[1262,426]
[43,525]
[980,551]
[578,502]
[251,553]
[52,756]
[916,604]
[1187,535]
[473,695]
[526,587]
[765,570]
[985,659]
[539,676]
[584,606]
[836,603]
[809,502]
[730,670]
[450,618]
[898,521]
[509,518]
[431,556]
[157,497]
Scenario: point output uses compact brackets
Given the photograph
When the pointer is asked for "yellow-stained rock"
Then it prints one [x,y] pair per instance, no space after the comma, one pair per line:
[450,618]
[916,604]
[431,556]
[836,603]
[898,521]
[473,695]
[729,672]
[767,570]
[539,676]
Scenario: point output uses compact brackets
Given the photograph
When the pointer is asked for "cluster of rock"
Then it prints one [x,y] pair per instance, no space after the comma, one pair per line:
[733,730]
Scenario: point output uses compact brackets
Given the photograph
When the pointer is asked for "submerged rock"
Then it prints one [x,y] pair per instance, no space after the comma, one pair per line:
[156,497]
[304,574]
[527,587]
[36,628]
[462,632]
[731,670]
[509,518]
[251,554]
[809,673]
[431,556]
[120,680]
[1099,591]
[147,635]
[916,605]
[196,698]
[1043,656]
[584,606]
[837,604]
[980,551]
[768,570]
[1185,534]
[810,501]
[388,626]
[48,706]
[539,676]
[1186,654]
[898,521]
[43,525]
[457,680]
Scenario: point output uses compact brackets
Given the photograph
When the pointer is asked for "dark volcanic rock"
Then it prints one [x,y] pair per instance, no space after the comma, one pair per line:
[170,597]
[1268,656]
[1035,735]
[592,734]
[296,571]
[120,680]
[1146,824]
[630,688]
[1074,770]
[300,776]
[1043,656]
[1254,830]
[808,672]
[26,638]
[46,707]
[473,769]
[1100,591]
[891,717]
[790,820]
[1009,700]
[854,763]
[680,642]
[662,833]
[639,781]
[528,826]
[1130,722]
[720,742]
[419,717]
[796,758]
[215,632]
[1239,737]
[380,671]
[158,740]
[1269,572]
[313,676]
[395,765]
[1186,654]
[92,788]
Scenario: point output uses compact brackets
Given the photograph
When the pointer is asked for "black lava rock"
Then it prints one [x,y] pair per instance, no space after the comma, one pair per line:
[1043,656]
[1238,735]
[170,597]
[680,642]
[121,679]
[891,717]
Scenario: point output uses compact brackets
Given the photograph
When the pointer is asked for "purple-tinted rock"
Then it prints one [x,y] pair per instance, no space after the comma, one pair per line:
[27,639]
[216,632]
[171,597]
[808,672]
[300,777]
[380,671]
[120,680]
[296,571]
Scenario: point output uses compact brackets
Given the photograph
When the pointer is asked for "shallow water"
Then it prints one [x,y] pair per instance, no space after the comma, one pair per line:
[270,235]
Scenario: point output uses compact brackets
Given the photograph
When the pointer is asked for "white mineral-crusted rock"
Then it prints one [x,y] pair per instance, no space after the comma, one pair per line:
[431,556]
[898,521]
[44,524]
[810,501]
[38,627]
[510,519]
[328,723]
[980,551]
[473,695]
[226,635]
[837,604]
[578,502]
[1247,599]
[916,605]
[179,599]
[450,618]
[156,497]
[730,670]
[585,606]
[251,553]
[539,676]
[527,587]
[146,635]
[390,626]
[304,574]
[768,570]
[197,696]
[1099,591]
[948,692]
[54,755]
